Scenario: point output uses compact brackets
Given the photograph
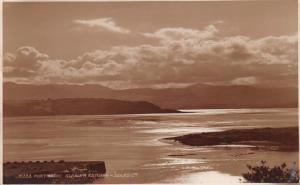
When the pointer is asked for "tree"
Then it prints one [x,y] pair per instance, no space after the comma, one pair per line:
[277,174]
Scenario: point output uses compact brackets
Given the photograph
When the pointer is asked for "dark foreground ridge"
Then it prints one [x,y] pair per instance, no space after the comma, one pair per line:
[268,138]
[79,106]
[61,172]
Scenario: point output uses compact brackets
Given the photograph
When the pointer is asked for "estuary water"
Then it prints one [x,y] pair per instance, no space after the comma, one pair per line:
[133,147]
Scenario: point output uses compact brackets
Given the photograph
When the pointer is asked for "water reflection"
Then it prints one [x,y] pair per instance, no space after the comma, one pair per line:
[134,143]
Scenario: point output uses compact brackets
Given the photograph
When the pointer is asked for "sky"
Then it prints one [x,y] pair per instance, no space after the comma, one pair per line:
[151,44]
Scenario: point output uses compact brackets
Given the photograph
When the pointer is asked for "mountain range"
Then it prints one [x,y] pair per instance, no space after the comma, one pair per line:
[78,106]
[192,97]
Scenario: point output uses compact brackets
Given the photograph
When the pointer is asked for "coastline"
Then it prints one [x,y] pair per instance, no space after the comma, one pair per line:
[284,139]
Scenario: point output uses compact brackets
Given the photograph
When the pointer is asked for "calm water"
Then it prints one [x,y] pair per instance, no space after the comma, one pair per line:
[132,145]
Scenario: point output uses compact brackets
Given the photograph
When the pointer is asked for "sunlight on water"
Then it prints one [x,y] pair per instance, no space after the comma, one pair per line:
[136,144]
[177,161]
[180,130]
[207,177]
[227,111]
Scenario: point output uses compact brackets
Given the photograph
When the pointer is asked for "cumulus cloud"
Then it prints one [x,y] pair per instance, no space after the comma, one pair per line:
[25,62]
[182,57]
[107,24]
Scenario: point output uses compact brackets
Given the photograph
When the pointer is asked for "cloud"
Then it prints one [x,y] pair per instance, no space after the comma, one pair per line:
[179,34]
[182,57]
[249,80]
[106,24]
[25,62]
[25,57]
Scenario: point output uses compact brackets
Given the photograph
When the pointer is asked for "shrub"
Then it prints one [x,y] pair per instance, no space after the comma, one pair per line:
[266,174]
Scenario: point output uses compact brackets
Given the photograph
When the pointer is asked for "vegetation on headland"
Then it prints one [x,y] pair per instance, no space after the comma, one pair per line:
[268,138]
[277,174]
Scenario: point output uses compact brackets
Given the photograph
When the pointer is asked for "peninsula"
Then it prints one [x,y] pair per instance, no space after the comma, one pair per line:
[285,139]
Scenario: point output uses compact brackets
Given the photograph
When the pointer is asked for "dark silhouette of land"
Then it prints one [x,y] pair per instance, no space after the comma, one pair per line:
[79,106]
[269,138]
[50,172]
[192,97]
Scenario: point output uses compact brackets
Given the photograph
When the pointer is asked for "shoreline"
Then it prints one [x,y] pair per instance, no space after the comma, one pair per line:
[283,139]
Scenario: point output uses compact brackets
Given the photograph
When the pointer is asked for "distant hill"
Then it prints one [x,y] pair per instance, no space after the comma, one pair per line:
[81,106]
[196,96]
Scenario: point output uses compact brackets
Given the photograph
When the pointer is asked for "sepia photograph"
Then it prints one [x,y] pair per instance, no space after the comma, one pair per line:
[150,92]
